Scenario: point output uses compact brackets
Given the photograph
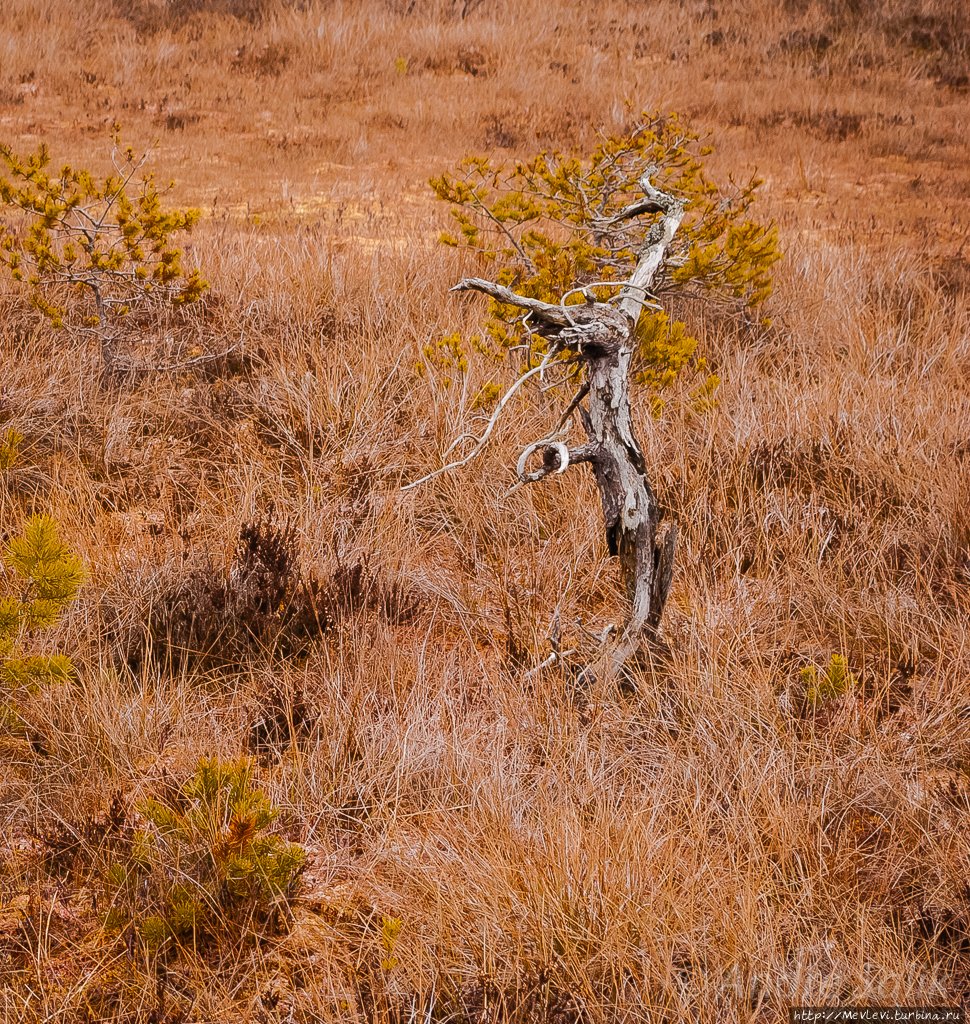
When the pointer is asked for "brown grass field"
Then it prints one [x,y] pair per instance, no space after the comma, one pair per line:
[694,845]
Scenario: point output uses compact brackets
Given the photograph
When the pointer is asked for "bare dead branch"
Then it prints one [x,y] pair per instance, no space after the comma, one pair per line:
[556,656]
[655,250]
[489,427]
[571,408]
[544,311]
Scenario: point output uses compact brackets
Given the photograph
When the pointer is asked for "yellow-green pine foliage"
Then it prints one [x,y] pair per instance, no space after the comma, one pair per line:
[834,681]
[665,349]
[9,449]
[390,930]
[204,865]
[444,355]
[45,578]
[93,252]
[545,224]
[486,396]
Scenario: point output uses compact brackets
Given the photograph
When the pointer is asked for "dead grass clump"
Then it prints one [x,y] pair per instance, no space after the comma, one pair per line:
[270,60]
[826,125]
[958,83]
[953,276]
[11,96]
[177,121]
[909,856]
[355,588]
[279,718]
[825,465]
[926,33]
[802,41]
[468,60]
[440,11]
[506,130]
[514,128]
[524,998]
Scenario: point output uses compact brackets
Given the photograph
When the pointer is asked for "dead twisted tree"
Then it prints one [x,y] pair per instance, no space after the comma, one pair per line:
[601,339]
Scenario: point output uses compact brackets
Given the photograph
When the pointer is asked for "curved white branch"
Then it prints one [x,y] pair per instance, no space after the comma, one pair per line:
[490,426]
[530,478]
[606,284]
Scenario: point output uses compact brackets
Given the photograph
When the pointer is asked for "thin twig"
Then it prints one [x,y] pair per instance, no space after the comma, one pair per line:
[551,660]
[207,358]
[571,408]
[488,431]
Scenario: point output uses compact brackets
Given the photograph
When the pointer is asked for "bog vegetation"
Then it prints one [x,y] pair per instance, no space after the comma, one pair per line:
[280,740]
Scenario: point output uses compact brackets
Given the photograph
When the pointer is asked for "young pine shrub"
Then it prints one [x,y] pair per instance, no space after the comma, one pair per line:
[9,450]
[41,578]
[203,871]
[830,683]
[95,254]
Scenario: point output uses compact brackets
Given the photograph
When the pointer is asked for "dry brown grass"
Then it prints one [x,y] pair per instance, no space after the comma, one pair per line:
[700,846]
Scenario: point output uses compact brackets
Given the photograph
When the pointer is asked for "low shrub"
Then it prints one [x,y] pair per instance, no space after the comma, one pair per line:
[202,870]
[264,606]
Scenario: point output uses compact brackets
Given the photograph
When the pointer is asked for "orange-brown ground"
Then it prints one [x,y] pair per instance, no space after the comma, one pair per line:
[695,847]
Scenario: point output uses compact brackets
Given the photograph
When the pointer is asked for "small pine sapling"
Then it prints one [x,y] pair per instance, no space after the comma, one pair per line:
[203,869]
[95,254]
[9,450]
[828,684]
[42,578]
[374,984]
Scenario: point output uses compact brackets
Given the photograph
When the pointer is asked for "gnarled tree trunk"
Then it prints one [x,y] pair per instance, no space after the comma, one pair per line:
[601,338]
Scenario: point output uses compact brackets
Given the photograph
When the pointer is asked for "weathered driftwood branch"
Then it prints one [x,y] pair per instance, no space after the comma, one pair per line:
[601,338]
[546,312]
